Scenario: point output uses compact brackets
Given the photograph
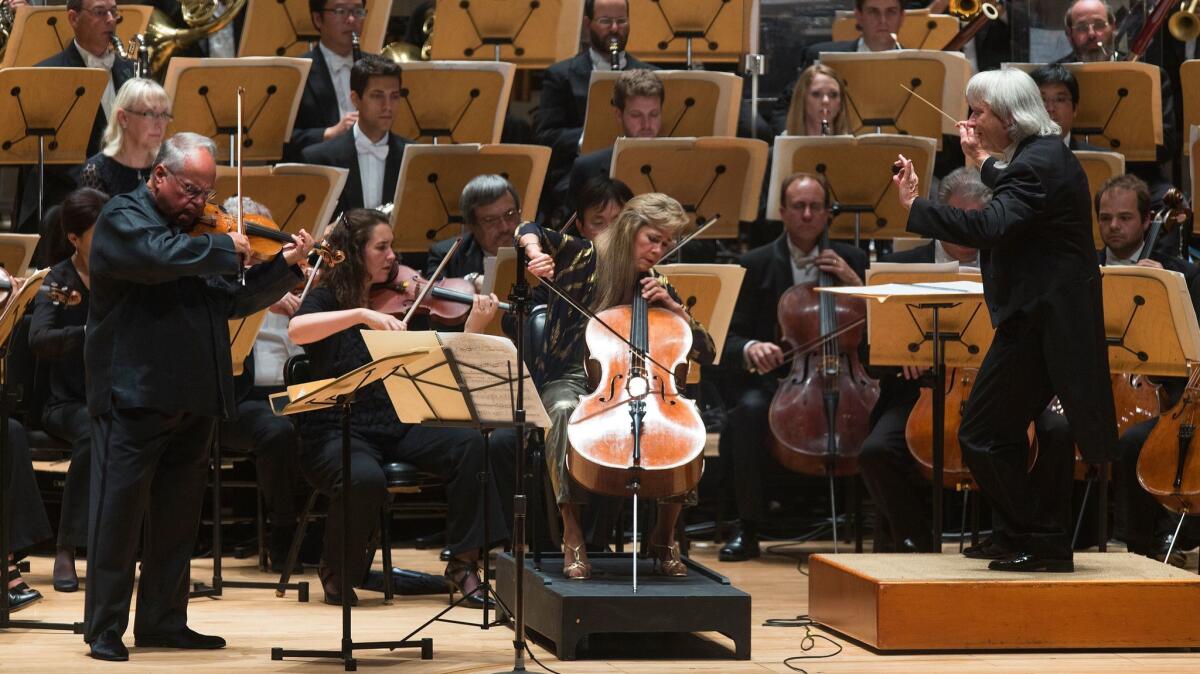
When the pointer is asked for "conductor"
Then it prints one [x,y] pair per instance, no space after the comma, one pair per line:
[1042,288]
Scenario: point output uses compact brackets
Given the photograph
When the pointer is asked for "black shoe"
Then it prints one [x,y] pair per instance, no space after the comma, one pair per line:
[1028,561]
[1160,546]
[65,577]
[987,549]
[331,584]
[108,646]
[184,638]
[743,546]
[463,577]
[406,582]
[22,596]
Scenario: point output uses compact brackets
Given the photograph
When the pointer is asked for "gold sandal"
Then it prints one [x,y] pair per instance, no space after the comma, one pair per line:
[666,560]
[581,568]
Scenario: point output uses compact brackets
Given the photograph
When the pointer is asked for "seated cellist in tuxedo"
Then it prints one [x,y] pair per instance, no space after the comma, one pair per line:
[370,151]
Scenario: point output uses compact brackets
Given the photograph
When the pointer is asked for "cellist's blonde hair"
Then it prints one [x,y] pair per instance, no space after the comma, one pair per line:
[616,270]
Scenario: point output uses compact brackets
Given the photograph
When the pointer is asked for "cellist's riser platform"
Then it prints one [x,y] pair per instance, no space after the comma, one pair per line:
[948,602]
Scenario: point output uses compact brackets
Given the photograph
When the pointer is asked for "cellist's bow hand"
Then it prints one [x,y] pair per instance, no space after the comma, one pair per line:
[540,264]
[764,357]
[298,250]
[913,372]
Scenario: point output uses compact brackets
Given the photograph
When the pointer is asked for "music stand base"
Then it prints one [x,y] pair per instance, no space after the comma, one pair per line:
[346,655]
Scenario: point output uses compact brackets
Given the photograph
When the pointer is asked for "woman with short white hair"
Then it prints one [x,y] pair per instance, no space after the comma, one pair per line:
[141,113]
[1042,286]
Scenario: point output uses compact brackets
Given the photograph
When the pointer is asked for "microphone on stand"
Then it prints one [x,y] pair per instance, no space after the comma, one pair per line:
[614,52]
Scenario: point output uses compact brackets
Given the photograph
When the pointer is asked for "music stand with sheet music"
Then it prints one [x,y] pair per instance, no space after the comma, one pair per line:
[454,101]
[203,93]
[875,102]
[38,33]
[16,251]
[920,30]
[463,381]
[33,108]
[425,206]
[710,177]
[299,196]
[339,393]
[674,31]
[535,34]
[285,28]
[11,316]
[1099,167]
[1120,106]
[696,103]
[956,330]
[859,172]
[1189,82]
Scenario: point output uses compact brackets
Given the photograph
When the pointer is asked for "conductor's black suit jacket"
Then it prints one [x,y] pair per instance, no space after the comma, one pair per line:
[1039,262]
[157,335]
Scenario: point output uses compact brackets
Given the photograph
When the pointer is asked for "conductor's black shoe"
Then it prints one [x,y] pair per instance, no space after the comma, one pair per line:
[406,582]
[743,546]
[331,584]
[1028,561]
[108,646]
[987,549]
[184,638]
[22,596]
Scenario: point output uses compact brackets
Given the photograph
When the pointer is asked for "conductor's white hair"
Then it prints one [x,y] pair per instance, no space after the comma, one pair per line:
[176,149]
[1012,94]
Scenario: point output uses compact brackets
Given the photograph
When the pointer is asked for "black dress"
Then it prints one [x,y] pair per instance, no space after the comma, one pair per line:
[110,176]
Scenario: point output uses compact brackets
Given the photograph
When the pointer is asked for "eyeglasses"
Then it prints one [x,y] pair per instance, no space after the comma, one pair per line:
[343,12]
[153,116]
[609,22]
[1096,26]
[492,220]
[1057,100]
[102,12]
[190,190]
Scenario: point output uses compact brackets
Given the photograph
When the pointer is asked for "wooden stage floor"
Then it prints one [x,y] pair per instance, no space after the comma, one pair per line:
[253,621]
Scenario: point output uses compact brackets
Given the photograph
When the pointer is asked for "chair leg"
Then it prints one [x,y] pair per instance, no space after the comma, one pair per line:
[260,522]
[385,543]
[294,549]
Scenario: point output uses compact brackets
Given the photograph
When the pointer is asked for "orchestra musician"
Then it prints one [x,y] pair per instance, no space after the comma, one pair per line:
[56,338]
[1060,95]
[1042,288]
[794,257]
[328,325]
[600,275]
[821,112]
[326,110]
[159,376]
[28,524]
[134,133]
[491,210]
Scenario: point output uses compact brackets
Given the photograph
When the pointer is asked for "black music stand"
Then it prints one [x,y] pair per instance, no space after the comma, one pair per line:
[339,393]
[9,319]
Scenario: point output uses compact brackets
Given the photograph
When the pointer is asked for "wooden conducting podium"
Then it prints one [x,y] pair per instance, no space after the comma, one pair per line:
[433,176]
[876,103]
[1099,167]
[41,32]
[684,31]
[530,34]
[696,103]
[920,30]
[859,173]
[299,196]
[285,27]
[453,101]
[203,93]
[712,178]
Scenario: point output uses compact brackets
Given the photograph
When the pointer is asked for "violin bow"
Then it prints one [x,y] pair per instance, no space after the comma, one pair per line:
[437,273]
[241,223]
[316,266]
[813,344]
[688,239]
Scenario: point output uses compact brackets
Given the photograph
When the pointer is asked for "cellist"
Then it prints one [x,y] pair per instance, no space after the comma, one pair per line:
[794,257]
[600,275]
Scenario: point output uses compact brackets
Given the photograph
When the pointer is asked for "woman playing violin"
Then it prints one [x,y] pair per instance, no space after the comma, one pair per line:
[601,275]
[327,326]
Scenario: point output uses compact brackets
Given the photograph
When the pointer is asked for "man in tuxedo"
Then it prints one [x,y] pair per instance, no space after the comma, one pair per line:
[95,23]
[558,119]
[751,351]
[1060,95]
[491,210]
[326,110]
[370,151]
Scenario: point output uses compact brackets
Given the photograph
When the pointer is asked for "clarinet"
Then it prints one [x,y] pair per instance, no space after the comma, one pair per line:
[614,52]
[824,127]
[143,54]
[355,49]
[120,48]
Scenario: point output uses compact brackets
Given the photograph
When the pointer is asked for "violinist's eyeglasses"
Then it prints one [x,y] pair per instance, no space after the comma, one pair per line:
[191,191]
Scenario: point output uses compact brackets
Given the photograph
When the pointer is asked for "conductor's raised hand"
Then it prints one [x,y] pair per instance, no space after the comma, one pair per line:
[906,181]
[971,147]
[299,248]
[377,320]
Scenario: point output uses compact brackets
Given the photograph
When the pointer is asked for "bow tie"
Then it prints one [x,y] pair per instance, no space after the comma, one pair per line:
[802,261]
[366,147]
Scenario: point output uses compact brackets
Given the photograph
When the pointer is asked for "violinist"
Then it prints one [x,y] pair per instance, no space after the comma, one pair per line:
[56,338]
[158,377]
[491,210]
[600,275]
[888,468]
[795,257]
[1042,288]
[28,524]
[597,206]
[328,326]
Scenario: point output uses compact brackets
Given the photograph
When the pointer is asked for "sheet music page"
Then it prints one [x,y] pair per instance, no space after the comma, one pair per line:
[885,291]
[487,365]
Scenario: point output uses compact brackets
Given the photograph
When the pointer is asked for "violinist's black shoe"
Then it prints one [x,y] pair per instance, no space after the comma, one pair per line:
[743,546]
[184,638]
[987,549]
[108,646]
[22,596]
[1029,561]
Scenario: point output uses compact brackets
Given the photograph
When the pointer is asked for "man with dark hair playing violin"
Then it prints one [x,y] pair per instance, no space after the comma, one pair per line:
[159,378]
[795,257]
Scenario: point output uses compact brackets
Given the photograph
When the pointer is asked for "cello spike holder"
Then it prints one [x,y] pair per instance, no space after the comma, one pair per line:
[1175,537]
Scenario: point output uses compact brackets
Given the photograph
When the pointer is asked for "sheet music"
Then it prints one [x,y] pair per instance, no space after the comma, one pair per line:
[885,291]
[487,365]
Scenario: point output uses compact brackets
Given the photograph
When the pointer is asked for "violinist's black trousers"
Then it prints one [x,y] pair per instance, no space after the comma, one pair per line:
[145,463]
[1012,390]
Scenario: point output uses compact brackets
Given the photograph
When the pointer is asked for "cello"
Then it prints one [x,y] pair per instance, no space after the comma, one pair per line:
[1168,468]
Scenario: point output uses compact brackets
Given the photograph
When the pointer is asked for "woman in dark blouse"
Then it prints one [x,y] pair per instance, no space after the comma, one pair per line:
[328,326]
[603,275]
[141,113]
[56,338]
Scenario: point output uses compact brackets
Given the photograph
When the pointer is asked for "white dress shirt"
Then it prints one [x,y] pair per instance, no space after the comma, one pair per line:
[272,349]
[339,72]
[104,63]
[940,256]
[372,158]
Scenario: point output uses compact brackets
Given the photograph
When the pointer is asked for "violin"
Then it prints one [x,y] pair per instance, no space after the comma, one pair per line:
[817,414]
[1168,468]
[52,292]
[266,238]
[635,430]
[448,301]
